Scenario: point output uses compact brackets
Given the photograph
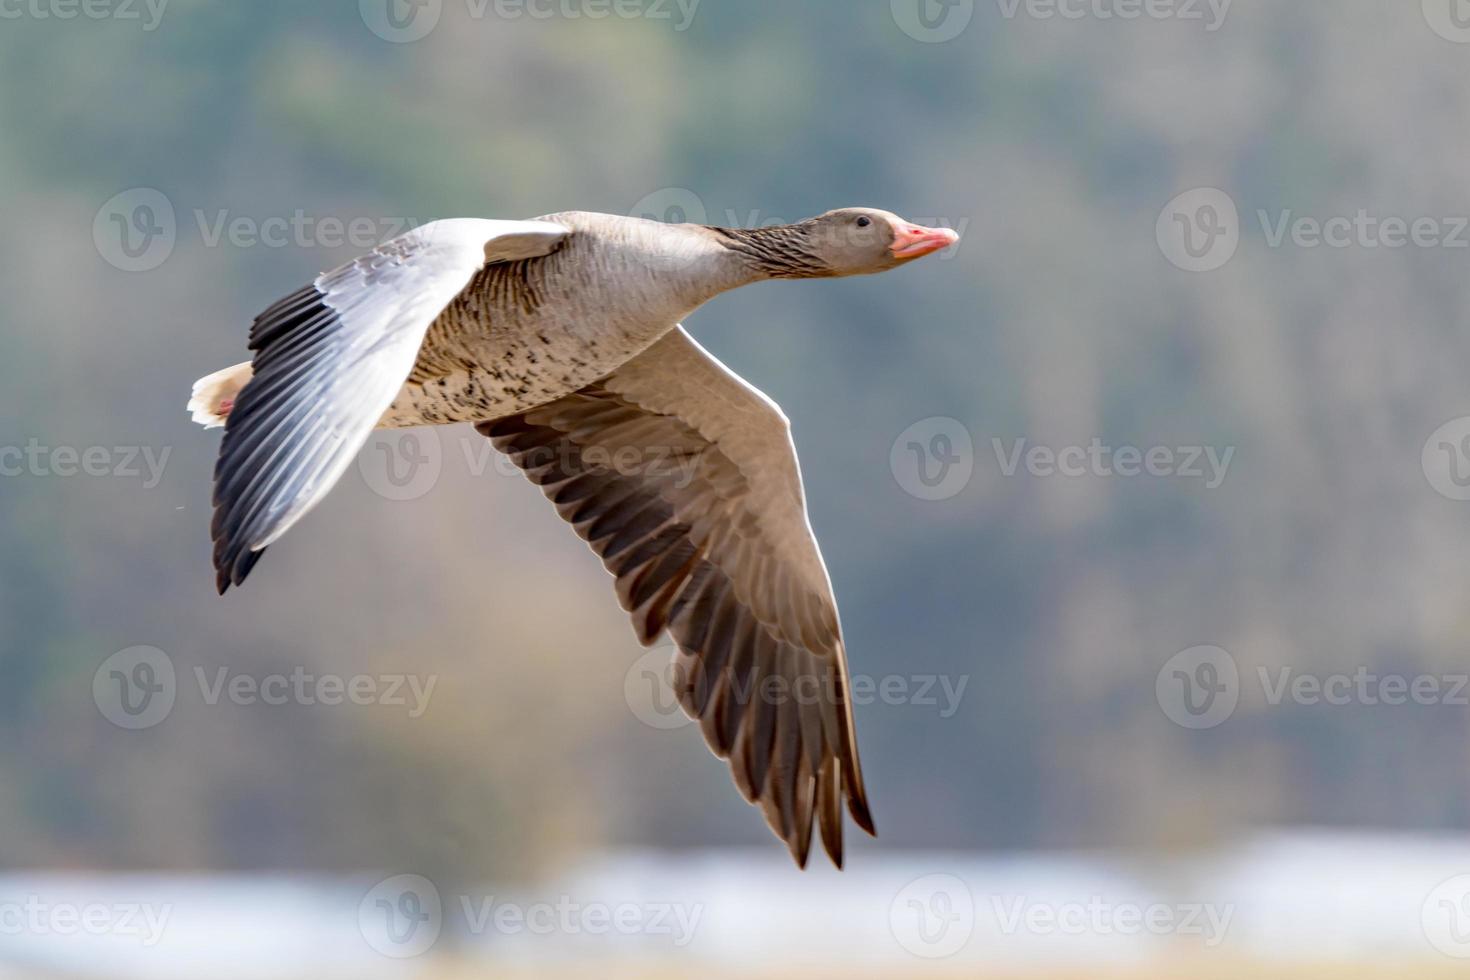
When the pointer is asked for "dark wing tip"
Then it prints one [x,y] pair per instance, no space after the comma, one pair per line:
[857,806]
[834,850]
[232,565]
[289,338]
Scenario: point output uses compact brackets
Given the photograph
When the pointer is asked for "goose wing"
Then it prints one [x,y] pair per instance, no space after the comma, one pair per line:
[329,360]
[684,479]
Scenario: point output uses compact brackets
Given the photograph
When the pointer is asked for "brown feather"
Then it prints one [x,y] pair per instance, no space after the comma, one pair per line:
[684,523]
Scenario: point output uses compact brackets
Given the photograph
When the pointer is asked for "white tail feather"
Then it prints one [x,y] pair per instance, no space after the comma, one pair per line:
[214,395]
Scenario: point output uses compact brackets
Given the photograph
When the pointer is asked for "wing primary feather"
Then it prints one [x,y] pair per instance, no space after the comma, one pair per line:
[723,559]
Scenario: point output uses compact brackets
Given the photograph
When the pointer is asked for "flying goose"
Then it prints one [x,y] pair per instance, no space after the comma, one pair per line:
[559,338]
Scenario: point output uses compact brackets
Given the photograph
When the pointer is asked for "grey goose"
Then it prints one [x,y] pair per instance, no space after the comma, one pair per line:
[560,339]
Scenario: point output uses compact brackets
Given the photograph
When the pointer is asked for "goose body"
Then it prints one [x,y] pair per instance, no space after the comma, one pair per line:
[560,339]
[524,333]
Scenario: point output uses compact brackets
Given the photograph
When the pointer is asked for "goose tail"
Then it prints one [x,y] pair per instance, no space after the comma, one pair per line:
[214,395]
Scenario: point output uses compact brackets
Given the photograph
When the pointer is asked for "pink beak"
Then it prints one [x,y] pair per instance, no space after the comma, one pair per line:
[916,241]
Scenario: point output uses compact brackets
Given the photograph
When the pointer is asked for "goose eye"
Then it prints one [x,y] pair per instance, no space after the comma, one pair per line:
[864,221]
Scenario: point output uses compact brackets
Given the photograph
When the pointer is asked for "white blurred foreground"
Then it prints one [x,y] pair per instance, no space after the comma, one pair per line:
[1292,903]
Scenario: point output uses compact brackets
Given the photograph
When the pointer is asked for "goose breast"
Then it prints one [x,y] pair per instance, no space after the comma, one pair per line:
[524,333]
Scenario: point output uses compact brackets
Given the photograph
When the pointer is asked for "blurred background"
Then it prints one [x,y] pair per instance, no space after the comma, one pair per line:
[1145,505]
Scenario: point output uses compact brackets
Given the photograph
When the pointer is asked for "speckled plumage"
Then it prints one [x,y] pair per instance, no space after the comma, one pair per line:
[527,332]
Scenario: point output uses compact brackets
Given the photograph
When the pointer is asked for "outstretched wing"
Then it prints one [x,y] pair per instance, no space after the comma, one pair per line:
[684,479]
[330,358]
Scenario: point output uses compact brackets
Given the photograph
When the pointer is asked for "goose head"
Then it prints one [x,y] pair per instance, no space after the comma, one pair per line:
[863,241]
[846,242]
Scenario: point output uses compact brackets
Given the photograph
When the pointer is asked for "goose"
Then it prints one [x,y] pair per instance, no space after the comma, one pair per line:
[561,340]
